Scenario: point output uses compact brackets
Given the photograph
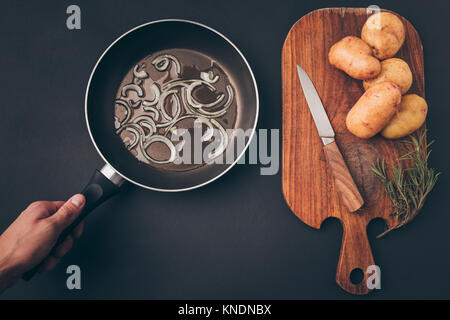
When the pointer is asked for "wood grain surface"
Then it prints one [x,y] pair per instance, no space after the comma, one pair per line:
[307,180]
[343,180]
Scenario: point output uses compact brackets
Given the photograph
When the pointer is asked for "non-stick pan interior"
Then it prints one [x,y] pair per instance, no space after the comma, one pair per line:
[122,56]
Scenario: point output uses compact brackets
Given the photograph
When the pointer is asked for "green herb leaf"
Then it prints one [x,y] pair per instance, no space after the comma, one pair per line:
[408,188]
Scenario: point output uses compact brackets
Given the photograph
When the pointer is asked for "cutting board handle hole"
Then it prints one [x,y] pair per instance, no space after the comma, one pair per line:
[356,276]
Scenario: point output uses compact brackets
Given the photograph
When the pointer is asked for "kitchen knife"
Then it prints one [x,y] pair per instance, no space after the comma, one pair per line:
[343,181]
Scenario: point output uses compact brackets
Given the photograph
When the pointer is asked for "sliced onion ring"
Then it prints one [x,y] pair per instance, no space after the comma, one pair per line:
[132,87]
[164,140]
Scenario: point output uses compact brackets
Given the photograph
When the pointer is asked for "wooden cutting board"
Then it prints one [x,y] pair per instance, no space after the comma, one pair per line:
[307,182]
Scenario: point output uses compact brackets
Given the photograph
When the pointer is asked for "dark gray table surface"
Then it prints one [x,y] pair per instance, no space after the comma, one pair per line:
[233,239]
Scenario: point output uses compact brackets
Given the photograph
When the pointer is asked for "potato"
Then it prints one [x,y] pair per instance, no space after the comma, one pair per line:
[373,111]
[354,57]
[410,116]
[385,33]
[394,70]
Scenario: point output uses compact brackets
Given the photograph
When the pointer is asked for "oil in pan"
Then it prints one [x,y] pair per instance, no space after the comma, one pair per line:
[170,91]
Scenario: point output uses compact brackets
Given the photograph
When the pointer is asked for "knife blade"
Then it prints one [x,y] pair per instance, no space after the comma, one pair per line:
[343,180]
[315,105]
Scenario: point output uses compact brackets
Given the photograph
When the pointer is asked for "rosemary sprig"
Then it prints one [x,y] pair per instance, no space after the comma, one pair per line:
[409,186]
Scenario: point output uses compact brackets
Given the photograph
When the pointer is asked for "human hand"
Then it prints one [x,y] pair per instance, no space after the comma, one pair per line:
[32,236]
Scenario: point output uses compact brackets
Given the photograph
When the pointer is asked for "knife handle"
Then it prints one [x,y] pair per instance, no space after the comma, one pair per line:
[343,181]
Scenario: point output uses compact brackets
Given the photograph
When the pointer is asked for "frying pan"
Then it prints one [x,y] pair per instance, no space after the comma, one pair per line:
[114,63]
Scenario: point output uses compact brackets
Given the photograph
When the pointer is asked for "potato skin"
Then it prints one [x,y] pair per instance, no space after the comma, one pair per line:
[373,111]
[385,33]
[410,116]
[354,57]
[394,70]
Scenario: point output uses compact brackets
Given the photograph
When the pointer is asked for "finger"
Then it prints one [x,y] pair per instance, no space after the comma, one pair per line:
[41,209]
[49,264]
[68,212]
[62,249]
[78,230]
[58,204]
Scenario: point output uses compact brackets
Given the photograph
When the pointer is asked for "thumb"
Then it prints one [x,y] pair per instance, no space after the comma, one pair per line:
[68,212]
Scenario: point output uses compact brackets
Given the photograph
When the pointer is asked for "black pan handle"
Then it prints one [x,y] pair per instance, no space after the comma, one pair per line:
[102,185]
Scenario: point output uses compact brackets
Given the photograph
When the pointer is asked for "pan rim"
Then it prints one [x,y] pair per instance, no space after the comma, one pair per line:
[200,184]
